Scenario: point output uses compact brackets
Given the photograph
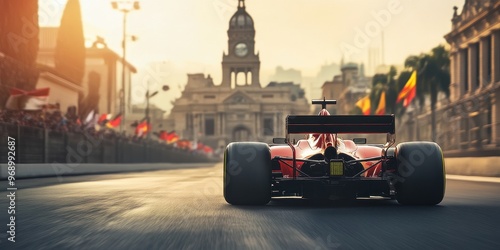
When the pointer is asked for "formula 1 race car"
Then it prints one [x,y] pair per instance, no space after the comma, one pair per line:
[324,166]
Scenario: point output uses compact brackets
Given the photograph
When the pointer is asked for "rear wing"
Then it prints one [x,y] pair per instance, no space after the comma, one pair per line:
[346,124]
[352,124]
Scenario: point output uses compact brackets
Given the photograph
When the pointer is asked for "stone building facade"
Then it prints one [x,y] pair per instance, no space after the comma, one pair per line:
[238,109]
[470,122]
[101,84]
[347,88]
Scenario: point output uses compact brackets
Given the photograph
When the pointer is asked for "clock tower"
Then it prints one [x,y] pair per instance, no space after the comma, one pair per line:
[241,65]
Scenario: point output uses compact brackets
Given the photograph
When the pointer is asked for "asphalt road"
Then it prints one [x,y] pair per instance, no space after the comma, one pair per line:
[185,209]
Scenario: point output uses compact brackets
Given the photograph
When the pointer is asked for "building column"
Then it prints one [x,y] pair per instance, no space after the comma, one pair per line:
[255,77]
[218,123]
[223,125]
[483,62]
[255,130]
[278,125]
[201,126]
[473,53]
[463,79]
[455,80]
[275,125]
[495,57]
[495,118]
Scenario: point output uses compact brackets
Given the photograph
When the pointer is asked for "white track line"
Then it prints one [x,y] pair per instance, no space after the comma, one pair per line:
[473,178]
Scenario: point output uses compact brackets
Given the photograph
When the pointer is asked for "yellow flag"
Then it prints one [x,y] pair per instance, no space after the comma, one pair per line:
[364,105]
[381,105]
[409,90]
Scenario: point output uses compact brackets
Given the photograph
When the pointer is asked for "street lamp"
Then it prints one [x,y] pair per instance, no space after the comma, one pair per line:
[148,95]
[124,6]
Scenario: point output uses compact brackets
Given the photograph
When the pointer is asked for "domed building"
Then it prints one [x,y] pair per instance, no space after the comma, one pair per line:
[241,57]
[239,108]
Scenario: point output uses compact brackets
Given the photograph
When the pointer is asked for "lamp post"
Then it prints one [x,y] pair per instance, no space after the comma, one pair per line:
[164,88]
[124,6]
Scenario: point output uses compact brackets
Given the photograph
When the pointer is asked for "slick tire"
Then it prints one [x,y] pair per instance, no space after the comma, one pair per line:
[421,173]
[247,173]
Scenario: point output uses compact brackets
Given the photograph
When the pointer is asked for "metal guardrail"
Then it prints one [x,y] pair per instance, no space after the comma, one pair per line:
[39,145]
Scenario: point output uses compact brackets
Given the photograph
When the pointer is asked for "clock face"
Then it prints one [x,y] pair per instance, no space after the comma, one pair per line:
[241,49]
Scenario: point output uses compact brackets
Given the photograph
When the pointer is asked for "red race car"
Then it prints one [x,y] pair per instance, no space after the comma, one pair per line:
[324,166]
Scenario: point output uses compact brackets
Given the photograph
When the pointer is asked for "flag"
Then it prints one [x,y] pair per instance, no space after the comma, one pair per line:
[409,90]
[115,122]
[91,120]
[142,128]
[207,149]
[103,119]
[381,105]
[173,137]
[27,100]
[364,105]
[51,108]
[163,135]
[184,144]
[169,137]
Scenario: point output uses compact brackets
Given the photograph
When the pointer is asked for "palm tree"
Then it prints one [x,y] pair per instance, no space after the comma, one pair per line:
[433,77]
[385,83]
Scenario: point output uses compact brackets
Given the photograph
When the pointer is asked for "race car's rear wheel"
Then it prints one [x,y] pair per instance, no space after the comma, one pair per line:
[421,174]
[247,173]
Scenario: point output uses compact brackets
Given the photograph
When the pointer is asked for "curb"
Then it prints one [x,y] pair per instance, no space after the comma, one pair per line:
[473,166]
[59,170]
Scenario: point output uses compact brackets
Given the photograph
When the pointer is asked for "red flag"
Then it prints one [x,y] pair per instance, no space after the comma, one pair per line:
[103,118]
[27,100]
[381,105]
[167,136]
[410,97]
[163,135]
[364,105]
[115,122]
[142,128]
[409,90]
[172,137]
[207,149]
[184,144]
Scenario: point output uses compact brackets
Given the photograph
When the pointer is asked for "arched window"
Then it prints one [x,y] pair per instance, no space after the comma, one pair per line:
[241,20]
[240,79]
[249,78]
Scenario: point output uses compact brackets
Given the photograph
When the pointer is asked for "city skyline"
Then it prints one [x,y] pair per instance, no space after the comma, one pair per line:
[303,35]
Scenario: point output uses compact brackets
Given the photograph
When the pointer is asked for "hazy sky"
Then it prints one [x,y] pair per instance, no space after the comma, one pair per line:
[191,35]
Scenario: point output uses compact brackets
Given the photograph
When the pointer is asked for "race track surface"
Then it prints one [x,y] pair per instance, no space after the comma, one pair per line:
[185,209]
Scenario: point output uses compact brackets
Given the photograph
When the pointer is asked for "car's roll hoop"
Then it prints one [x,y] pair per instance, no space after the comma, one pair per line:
[324,102]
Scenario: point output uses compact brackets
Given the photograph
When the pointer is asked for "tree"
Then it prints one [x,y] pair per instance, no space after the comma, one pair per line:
[385,83]
[433,76]
[70,49]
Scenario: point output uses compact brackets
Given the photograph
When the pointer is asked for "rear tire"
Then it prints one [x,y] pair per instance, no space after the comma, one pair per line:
[420,167]
[247,173]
